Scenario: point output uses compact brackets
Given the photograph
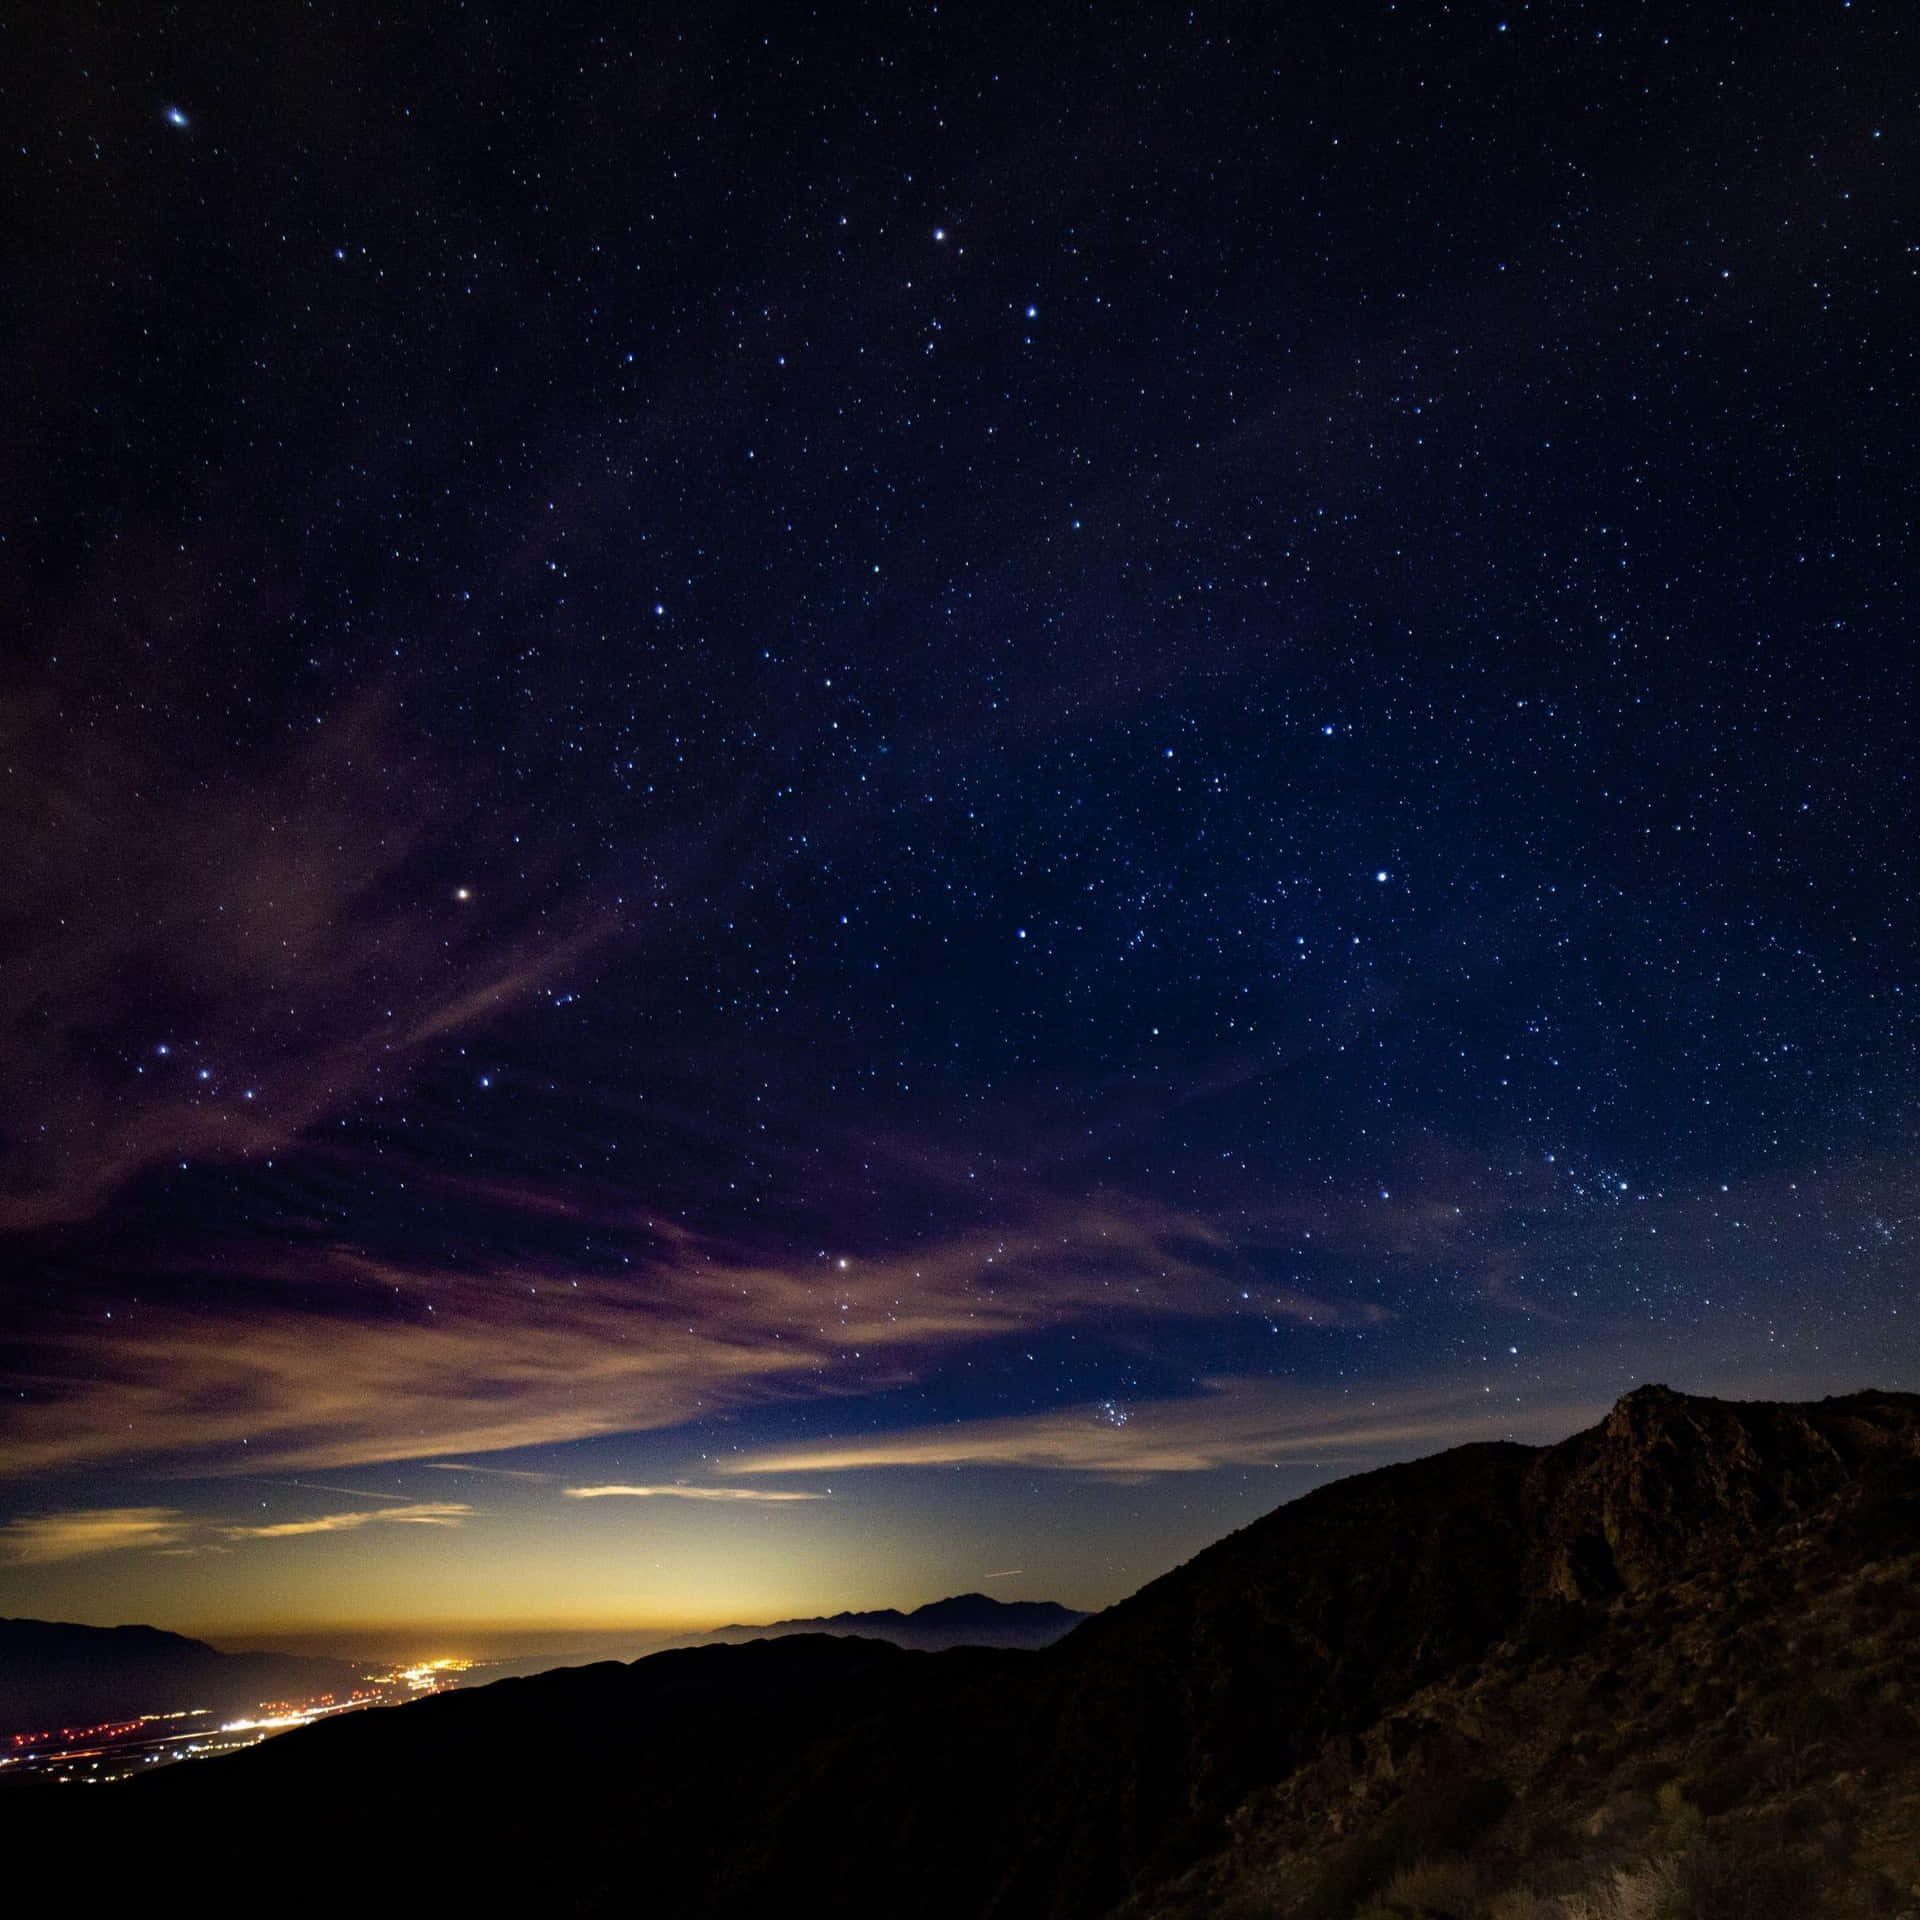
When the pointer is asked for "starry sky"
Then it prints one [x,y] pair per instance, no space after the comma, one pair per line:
[808,809]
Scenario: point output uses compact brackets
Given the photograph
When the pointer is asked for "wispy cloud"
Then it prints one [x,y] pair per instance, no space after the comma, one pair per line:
[38,1539]
[321,1486]
[686,1493]
[200,967]
[484,1360]
[422,1514]
[493,1473]
[35,1539]
[1233,1423]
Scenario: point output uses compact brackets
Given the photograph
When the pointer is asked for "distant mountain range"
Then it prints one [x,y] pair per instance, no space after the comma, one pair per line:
[966,1620]
[1666,1666]
[53,1675]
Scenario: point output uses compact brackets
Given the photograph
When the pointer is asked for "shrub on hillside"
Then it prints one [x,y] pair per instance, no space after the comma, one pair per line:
[1425,1825]
[1725,1880]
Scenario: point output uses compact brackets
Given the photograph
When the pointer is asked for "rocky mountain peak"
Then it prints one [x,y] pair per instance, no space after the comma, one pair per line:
[1668,1477]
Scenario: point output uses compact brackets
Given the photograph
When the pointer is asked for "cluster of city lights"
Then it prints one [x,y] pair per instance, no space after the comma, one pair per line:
[115,1749]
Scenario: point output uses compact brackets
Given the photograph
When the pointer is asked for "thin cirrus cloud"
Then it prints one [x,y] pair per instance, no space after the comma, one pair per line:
[1232,1423]
[483,1360]
[426,1513]
[492,1473]
[35,1540]
[688,1493]
[202,966]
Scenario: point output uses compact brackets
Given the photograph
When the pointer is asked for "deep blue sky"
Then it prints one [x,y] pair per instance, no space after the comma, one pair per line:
[1035,775]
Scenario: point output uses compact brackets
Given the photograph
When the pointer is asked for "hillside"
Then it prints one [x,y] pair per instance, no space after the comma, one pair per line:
[56,1674]
[1667,1664]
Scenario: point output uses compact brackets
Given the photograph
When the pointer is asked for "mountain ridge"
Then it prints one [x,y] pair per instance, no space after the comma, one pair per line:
[57,1673]
[962,1619]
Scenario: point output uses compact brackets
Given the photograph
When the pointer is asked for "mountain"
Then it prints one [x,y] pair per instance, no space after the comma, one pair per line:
[965,1620]
[54,1674]
[1666,1666]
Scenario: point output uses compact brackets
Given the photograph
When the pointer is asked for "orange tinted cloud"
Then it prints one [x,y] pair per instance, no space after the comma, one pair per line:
[1233,1423]
[475,1362]
[421,1514]
[37,1539]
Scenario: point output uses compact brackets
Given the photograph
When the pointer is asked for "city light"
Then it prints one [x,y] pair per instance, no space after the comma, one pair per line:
[115,1749]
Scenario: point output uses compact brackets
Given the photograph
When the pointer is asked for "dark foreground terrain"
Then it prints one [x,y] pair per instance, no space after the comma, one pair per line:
[1665,1670]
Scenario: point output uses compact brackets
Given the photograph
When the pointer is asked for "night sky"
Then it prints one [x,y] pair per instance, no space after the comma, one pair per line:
[941,793]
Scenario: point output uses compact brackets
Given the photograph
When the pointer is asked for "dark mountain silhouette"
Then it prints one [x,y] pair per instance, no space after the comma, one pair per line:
[1670,1659]
[54,1674]
[965,1620]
